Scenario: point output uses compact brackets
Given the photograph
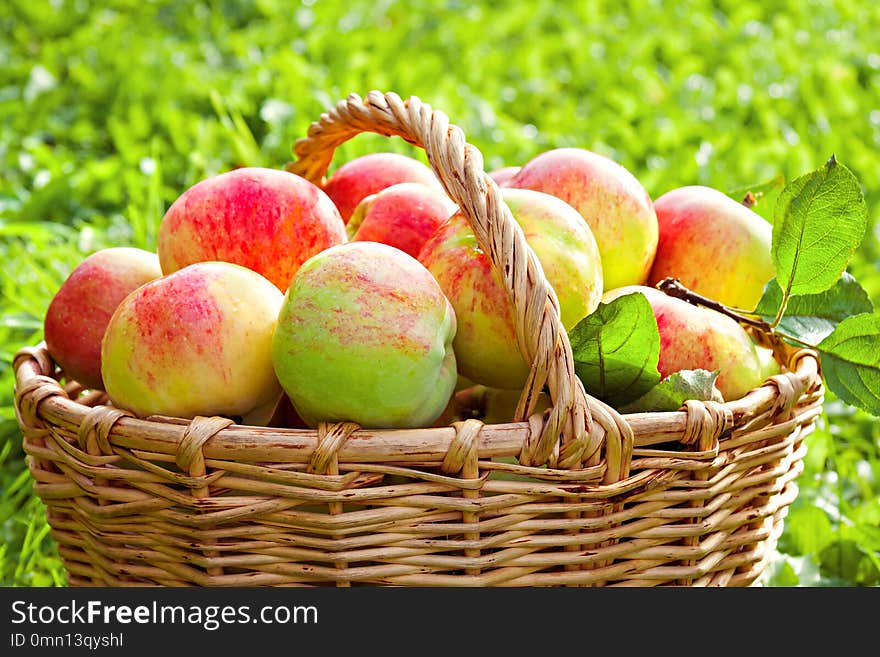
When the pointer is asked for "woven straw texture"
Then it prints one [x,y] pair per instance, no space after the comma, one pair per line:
[573,496]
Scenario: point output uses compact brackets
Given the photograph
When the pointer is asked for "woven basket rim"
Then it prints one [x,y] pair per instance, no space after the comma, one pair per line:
[39,392]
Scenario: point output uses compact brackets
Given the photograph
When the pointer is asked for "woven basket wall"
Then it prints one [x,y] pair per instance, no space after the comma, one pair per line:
[576,495]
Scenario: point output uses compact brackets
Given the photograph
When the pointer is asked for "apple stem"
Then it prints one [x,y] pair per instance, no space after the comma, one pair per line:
[674,288]
[782,307]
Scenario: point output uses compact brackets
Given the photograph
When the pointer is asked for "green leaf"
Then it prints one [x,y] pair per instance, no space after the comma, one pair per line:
[812,317]
[850,359]
[616,349]
[820,220]
[850,561]
[818,447]
[786,570]
[675,390]
[779,572]
[810,530]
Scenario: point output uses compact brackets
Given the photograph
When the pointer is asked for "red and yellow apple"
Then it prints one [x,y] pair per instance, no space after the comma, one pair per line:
[358,178]
[503,175]
[404,215]
[365,334]
[613,202]
[195,342]
[695,337]
[81,308]
[268,220]
[485,343]
[714,245]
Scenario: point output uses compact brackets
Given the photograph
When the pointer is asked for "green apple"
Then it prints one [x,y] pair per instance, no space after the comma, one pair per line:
[365,334]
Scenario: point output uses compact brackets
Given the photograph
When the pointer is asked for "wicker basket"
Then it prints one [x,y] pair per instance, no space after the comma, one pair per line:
[578,495]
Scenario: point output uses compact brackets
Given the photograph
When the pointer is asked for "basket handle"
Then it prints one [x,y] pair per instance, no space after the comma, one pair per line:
[578,423]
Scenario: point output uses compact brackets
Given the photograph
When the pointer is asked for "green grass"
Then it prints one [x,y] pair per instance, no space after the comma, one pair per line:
[109,110]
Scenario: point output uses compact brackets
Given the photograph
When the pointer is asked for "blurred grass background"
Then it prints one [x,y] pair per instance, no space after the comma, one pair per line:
[109,110]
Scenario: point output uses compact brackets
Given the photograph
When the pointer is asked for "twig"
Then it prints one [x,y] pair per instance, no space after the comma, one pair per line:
[674,288]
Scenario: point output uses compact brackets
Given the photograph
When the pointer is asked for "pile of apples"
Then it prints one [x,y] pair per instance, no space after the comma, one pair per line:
[273,300]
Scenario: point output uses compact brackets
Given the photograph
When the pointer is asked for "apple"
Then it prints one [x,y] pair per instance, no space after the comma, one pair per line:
[503,175]
[695,337]
[612,201]
[404,215]
[769,365]
[485,342]
[78,314]
[358,178]
[268,220]
[714,245]
[195,342]
[365,334]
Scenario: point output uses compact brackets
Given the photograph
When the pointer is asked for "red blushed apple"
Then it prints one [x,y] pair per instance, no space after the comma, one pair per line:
[504,175]
[79,312]
[368,174]
[404,215]
[694,337]
[267,220]
[714,245]
[195,342]
[611,200]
